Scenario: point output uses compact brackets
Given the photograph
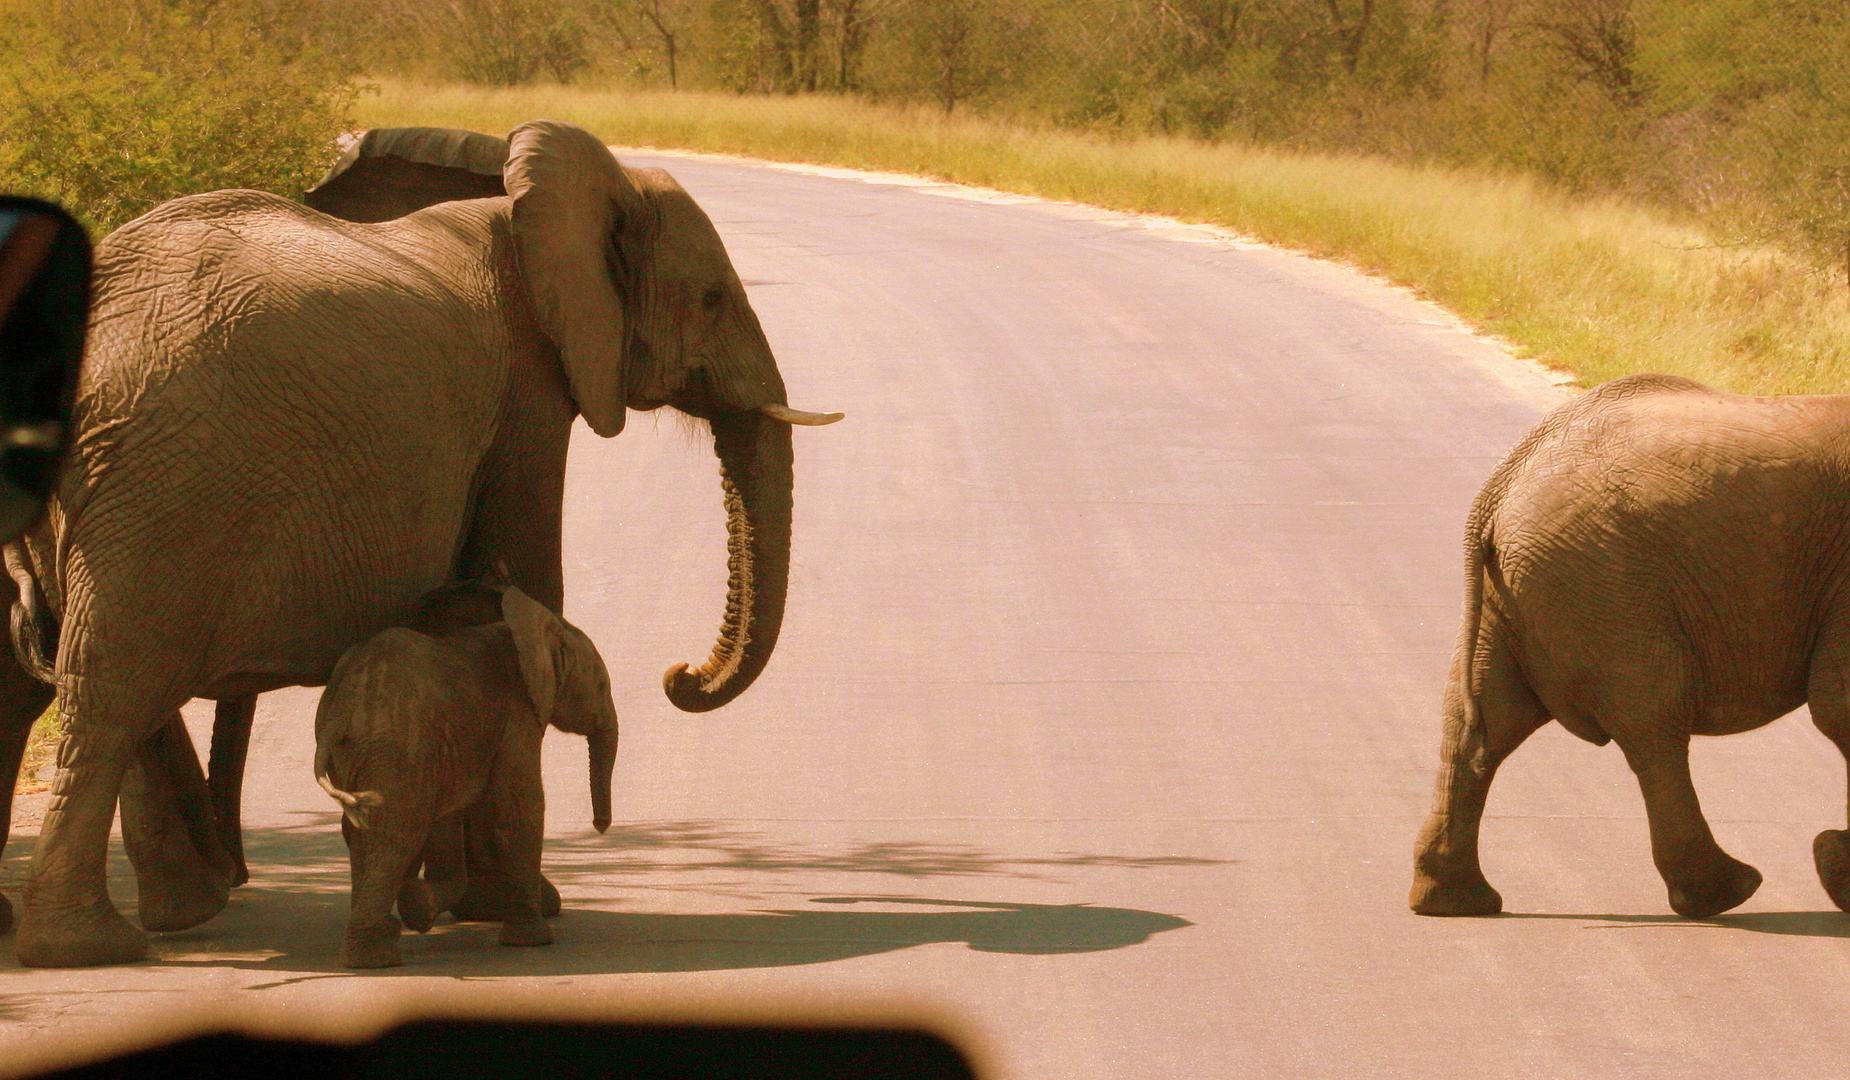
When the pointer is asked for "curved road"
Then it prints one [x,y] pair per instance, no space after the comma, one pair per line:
[1105,714]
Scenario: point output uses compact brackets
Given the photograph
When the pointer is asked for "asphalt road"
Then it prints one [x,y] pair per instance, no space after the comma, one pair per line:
[1104,718]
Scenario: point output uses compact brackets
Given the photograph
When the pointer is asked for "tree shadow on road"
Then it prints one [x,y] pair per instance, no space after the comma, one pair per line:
[291,917]
[1797,923]
[604,942]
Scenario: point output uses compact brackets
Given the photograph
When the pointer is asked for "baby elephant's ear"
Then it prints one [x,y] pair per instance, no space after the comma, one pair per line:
[536,643]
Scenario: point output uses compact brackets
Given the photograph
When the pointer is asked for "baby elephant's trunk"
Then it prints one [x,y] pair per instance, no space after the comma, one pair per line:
[603,763]
[356,806]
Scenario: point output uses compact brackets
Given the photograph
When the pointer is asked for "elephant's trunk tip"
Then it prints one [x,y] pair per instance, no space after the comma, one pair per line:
[603,763]
[689,689]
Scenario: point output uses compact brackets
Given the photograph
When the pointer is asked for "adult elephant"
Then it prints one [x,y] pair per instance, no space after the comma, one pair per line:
[290,426]
[1656,560]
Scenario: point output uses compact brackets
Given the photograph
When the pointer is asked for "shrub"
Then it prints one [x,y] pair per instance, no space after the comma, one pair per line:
[113,108]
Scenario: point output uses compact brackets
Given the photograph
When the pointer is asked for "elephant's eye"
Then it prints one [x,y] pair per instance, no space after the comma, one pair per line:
[713,296]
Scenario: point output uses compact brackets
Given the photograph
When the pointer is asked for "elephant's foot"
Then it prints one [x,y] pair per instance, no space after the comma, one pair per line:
[372,946]
[1460,896]
[527,931]
[174,901]
[1831,851]
[417,906]
[490,902]
[6,916]
[87,936]
[1729,889]
[446,893]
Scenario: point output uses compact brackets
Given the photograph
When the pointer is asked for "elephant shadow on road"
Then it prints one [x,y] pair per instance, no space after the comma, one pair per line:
[1791,923]
[291,917]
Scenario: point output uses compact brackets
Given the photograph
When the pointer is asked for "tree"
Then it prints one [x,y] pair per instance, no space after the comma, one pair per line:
[955,50]
[668,19]
[1487,22]
[1350,34]
[1600,39]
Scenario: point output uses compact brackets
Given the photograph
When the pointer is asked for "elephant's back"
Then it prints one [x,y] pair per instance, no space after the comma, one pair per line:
[1652,452]
[401,704]
[1680,528]
[272,390]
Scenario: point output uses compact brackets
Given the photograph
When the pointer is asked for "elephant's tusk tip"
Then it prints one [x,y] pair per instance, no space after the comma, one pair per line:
[797,416]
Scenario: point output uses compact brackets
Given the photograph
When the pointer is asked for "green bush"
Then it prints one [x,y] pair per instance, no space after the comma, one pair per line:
[112,108]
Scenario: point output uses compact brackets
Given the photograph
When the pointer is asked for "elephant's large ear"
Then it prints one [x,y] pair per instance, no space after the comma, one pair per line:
[536,643]
[570,200]
[391,172]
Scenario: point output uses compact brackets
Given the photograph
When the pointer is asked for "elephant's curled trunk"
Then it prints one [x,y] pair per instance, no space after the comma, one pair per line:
[755,473]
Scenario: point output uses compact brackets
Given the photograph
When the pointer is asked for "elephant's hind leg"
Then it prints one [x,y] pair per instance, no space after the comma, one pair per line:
[1447,879]
[384,858]
[167,827]
[1703,880]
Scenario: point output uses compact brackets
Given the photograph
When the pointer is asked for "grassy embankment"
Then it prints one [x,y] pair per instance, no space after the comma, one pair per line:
[1596,287]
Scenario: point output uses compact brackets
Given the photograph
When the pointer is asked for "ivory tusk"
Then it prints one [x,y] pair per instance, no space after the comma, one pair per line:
[797,416]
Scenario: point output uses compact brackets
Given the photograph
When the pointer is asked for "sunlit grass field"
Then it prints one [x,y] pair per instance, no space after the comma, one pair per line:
[1599,288]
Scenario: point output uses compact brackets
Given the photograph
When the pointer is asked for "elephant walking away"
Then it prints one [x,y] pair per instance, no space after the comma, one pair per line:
[290,426]
[1655,560]
[414,732]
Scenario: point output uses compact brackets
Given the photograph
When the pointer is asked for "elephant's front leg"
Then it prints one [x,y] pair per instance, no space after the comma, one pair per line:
[515,528]
[66,919]
[231,740]
[445,878]
[1702,878]
[1829,697]
[514,808]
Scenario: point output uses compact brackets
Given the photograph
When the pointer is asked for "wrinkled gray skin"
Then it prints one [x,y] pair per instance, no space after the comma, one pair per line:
[416,732]
[291,426]
[1655,560]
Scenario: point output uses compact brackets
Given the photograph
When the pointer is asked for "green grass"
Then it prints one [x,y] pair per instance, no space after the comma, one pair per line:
[1599,288]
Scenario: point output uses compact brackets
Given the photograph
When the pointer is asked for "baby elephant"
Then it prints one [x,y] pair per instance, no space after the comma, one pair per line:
[415,732]
[1655,560]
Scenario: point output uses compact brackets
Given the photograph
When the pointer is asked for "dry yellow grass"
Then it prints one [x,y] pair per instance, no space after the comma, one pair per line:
[41,747]
[1597,287]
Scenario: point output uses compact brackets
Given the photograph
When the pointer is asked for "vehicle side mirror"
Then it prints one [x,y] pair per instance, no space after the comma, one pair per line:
[44,310]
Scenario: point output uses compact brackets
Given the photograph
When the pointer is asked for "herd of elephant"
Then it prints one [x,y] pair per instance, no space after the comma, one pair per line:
[325,445]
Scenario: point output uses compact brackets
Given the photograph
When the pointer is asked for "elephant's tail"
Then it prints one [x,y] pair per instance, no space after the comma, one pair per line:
[35,630]
[1481,573]
[1480,556]
[354,806]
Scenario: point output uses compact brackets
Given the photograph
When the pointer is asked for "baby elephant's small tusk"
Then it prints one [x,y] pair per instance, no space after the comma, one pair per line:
[797,416]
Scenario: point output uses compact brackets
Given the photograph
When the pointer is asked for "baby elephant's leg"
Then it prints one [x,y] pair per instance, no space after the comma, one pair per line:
[514,807]
[384,856]
[444,881]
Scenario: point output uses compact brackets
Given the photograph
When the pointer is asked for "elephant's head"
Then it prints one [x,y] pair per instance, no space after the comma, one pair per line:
[630,281]
[568,685]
